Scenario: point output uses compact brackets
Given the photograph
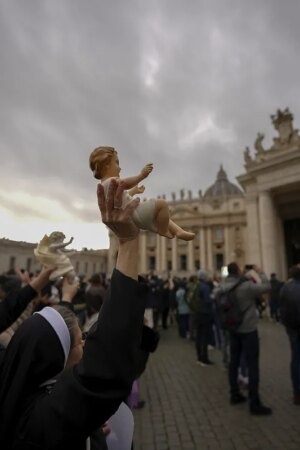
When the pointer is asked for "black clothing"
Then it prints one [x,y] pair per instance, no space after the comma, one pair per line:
[247,342]
[13,304]
[290,307]
[83,397]
[203,321]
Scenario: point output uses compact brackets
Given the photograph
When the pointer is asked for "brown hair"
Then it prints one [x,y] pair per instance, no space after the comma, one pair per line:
[99,158]
[70,319]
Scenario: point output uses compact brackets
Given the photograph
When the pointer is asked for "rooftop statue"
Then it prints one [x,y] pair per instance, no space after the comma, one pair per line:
[153,214]
[247,157]
[50,252]
[258,143]
[283,123]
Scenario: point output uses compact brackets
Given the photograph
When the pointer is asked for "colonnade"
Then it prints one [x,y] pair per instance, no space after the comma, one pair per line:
[201,248]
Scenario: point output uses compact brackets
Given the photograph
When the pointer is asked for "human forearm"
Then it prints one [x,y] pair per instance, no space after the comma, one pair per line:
[262,287]
[127,261]
[42,279]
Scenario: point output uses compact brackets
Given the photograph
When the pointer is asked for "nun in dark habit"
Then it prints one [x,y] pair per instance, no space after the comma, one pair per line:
[91,383]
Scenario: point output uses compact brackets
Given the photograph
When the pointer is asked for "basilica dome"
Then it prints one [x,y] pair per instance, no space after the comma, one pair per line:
[222,187]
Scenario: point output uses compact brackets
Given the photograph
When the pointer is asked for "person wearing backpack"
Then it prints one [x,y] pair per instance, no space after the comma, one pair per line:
[243,333]
[289,304]
[200,302]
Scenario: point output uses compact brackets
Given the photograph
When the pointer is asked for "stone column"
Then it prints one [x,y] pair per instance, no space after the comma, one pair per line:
[190,262]
[143,252]
[202,242]
[210,266]
[268,233]
[158,254]
[163,243]
[253,245]
[227,249]
[283,269]
[174,255]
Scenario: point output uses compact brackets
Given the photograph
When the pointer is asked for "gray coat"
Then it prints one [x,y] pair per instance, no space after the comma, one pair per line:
[247,294]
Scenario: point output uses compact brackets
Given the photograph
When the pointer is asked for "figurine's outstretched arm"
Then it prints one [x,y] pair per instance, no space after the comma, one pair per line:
[61,244]
[133,181]
[136,190]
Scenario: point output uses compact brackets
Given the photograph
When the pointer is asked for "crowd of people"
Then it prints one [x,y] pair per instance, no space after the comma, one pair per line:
[72,351]
[196,305]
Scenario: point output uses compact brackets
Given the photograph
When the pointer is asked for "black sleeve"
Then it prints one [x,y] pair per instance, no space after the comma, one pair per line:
[14,304]
[87,395]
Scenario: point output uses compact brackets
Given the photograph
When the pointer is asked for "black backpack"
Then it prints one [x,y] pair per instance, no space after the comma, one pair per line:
[193,298]
[230,314]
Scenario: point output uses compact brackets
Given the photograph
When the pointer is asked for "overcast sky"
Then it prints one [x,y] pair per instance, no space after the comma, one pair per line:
[183,84]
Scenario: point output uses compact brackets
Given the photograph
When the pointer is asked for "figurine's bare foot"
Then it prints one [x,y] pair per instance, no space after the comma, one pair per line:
[166,234]
[185,235]
[180,233]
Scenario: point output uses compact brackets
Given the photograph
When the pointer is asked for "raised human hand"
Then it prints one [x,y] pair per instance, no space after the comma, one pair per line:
[69,288]
[146,170]
[119,220]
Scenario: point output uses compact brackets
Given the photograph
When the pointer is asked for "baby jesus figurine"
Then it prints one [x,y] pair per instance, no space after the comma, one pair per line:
[50,251]
[152,215]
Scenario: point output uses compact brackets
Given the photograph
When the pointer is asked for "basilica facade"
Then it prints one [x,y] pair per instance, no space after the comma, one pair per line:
[255,222]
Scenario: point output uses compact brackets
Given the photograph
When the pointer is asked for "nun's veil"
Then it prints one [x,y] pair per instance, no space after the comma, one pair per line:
[37,352]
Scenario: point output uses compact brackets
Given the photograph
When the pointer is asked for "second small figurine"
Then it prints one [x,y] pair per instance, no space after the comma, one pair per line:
[51,251]
[152,215]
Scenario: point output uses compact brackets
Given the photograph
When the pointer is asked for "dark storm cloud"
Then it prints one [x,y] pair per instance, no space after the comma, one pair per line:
[185,85]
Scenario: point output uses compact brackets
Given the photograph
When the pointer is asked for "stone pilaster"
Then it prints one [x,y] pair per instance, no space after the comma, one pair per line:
[267,232]
[210,266]
[202,241]
[190,262]
[163,243]
[253,244]
[174,255]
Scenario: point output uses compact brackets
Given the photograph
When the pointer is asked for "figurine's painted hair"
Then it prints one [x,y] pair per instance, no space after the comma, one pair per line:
[99,158]
[56,235]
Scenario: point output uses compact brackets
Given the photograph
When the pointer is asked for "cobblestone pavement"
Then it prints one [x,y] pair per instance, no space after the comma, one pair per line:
[187,406]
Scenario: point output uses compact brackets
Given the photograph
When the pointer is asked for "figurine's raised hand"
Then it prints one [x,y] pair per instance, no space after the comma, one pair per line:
[113,216]
[140,189]
[146,170]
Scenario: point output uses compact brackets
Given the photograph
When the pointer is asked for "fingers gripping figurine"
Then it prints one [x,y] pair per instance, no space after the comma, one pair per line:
[50,252]
[153,214]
